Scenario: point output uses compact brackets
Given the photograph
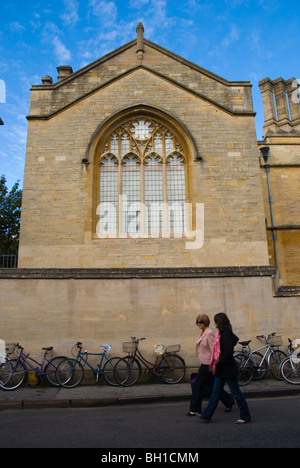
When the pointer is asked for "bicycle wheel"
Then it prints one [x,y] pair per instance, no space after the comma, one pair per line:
[291,371]
[135,372]
[172,369]
[12,374]
[245,372]
[109,371]
[275,360]
[260,366]
[50,370]
[69,373]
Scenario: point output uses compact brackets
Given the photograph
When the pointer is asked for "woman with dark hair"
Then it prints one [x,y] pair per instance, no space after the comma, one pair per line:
[225,370]
[205,381]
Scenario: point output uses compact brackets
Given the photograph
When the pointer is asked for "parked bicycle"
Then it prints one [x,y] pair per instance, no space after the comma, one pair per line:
[70,372]
[169,366]
[253,365]
[14,371]
[290,366]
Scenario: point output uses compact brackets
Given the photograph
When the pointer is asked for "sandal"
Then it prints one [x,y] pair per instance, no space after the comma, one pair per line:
[190,413]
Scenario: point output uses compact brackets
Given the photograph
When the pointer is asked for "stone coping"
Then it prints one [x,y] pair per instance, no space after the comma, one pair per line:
[139,273]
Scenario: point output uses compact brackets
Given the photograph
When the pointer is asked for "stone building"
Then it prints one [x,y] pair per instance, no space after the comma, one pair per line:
[146,201]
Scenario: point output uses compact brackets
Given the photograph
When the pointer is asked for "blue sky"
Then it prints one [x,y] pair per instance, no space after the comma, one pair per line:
[244,40]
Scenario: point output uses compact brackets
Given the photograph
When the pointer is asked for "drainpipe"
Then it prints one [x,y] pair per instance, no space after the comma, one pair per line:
[265,151]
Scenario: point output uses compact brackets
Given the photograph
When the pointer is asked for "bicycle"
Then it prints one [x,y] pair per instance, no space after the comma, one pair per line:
[254,366]
[290,366]
[70,372]
[169,366]
[14,371]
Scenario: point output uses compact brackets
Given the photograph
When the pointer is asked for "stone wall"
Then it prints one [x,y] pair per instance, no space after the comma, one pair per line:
[60,307]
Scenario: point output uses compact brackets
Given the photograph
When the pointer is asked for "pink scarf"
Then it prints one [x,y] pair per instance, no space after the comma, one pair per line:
[216,352]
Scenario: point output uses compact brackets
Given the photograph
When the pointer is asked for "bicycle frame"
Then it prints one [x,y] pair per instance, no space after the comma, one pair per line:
[27,360]
[265,355]
[81,356]
[150,365]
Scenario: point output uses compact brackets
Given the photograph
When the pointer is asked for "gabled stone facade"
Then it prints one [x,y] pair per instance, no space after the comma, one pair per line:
[212,118]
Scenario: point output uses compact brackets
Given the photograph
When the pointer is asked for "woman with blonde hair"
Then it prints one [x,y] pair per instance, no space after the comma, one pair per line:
[205,380]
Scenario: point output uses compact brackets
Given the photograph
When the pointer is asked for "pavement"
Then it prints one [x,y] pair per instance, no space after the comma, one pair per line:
[96,395]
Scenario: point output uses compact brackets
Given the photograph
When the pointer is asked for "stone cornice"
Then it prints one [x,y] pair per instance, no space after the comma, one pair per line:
[138,273]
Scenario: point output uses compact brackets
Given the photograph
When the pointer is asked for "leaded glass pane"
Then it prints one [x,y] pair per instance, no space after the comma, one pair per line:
[141,130]
[114,142]
[177,219]
[108,208]
[154,196]
[125,144]
[131,196]
[169,143]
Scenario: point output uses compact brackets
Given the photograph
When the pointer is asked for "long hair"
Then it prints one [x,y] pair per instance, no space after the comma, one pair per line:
[223,322]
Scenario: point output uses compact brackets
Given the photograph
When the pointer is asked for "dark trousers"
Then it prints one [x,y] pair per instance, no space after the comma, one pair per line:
[203,387]
[216,396]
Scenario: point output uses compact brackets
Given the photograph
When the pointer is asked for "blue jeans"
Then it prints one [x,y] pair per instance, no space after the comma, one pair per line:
[203,388]
[237,394]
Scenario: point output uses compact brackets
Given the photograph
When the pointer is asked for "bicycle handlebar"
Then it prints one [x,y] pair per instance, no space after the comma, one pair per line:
[17,345]
[268,336]
[136,340]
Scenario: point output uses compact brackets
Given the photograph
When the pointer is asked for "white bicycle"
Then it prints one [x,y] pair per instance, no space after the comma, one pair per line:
[290,366]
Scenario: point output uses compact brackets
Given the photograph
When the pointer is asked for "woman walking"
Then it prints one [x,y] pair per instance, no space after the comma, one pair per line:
[225,370]
[205,379]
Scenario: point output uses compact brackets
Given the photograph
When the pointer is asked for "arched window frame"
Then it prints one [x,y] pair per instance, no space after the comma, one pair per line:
[146,137]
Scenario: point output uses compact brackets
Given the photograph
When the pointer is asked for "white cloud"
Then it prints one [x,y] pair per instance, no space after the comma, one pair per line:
[70,16]
[106,10]
[138,4]
[62,53]
[231,37]
[16,27]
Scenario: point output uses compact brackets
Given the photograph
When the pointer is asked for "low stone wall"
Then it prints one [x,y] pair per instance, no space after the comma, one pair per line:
[60,307]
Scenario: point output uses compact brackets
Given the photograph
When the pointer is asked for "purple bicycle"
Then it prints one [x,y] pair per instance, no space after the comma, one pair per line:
[14,371]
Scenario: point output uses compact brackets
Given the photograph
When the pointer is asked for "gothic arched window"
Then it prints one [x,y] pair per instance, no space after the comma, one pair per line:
[142,182]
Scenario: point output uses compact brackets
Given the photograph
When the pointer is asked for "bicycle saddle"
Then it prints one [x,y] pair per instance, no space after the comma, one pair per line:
[105,347]
[245,343]
[48,349]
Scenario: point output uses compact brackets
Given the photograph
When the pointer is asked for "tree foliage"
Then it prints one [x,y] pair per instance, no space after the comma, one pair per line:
[10,215]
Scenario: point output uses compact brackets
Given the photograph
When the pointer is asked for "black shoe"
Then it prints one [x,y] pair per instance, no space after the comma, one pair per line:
[190,414]
[229,408]
[204,420]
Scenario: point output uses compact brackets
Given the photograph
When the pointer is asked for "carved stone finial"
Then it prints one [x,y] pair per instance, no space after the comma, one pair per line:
[140,42]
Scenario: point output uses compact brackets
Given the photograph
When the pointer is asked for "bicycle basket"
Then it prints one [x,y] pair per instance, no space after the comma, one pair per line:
[160,349]
[129,347]
[296,344]
[173,348]
[275,340]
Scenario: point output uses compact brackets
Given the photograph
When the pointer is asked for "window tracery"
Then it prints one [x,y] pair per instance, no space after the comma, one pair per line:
[143,177]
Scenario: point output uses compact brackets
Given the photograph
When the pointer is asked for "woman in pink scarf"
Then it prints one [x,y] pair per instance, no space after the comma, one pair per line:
[225,370]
